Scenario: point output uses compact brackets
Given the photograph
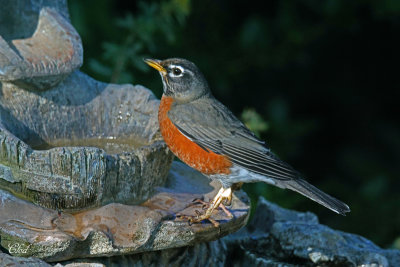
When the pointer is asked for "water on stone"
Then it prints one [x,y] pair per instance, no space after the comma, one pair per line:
[110,145]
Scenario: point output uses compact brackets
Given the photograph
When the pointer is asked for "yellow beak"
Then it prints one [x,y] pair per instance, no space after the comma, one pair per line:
[155,63]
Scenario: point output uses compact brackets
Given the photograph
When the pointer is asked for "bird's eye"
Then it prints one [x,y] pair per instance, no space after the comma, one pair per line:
[176,71]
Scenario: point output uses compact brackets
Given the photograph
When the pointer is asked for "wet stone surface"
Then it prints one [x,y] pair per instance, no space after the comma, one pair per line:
[106,118]
[114,229]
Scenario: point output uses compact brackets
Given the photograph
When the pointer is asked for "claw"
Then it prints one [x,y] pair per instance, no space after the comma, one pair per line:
[226,211]
[198,213]
[214,222]
[200,199]
[197,201]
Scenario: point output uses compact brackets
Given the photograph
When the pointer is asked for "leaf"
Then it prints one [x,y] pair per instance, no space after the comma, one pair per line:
[254,121]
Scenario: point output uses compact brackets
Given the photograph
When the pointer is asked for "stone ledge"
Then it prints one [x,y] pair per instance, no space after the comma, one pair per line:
[43,60]
[117,229]
[68,172]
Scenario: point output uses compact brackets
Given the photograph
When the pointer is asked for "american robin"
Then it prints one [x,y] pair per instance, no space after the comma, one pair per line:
[205,135]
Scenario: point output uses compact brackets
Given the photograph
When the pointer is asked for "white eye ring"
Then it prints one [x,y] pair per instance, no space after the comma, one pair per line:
[176,71]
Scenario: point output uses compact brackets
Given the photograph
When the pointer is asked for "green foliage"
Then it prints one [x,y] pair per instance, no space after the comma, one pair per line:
[254,121]
[396,243]
[138,36]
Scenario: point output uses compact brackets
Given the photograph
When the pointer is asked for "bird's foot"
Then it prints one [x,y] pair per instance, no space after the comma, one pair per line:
[196,201]
[196,219]
[226,201]
[206,205]
[224,195]
[226,211]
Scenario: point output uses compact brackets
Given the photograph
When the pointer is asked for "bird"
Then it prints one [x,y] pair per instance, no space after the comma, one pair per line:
[207,136]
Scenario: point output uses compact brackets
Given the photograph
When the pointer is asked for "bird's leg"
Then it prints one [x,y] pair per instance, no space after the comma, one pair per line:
[224,209]
[205,205]
[199,200]
[215,203]
[234,187]
[223,194]
[226,202]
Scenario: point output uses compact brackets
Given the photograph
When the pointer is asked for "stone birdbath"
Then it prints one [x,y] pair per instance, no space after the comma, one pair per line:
[83,169]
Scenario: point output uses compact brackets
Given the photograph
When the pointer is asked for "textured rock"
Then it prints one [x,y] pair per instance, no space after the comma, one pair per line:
[67,141]
[280,237]
[117,229]
[41,61]
[203,254]
[10,261]
[19,18]
[275,237]
[81,111]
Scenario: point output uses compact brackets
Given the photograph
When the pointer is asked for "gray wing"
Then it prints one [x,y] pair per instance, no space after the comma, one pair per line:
[222,133]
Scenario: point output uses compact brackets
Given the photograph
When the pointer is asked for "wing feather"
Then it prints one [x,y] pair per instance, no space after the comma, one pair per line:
[223,133]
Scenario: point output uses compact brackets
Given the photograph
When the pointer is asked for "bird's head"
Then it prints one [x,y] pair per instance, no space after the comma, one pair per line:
[182,80]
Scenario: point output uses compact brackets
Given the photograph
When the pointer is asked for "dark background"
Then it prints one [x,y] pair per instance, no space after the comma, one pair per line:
[318,80]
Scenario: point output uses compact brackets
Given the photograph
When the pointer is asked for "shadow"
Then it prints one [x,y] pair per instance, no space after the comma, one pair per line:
[183,179]
[76,89]
[18,19]
[3,249]
[18,128]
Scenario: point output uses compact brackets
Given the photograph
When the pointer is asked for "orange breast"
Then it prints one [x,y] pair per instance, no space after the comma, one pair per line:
[186,150]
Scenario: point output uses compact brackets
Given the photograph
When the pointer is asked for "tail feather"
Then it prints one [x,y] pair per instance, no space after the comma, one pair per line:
[303,187]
